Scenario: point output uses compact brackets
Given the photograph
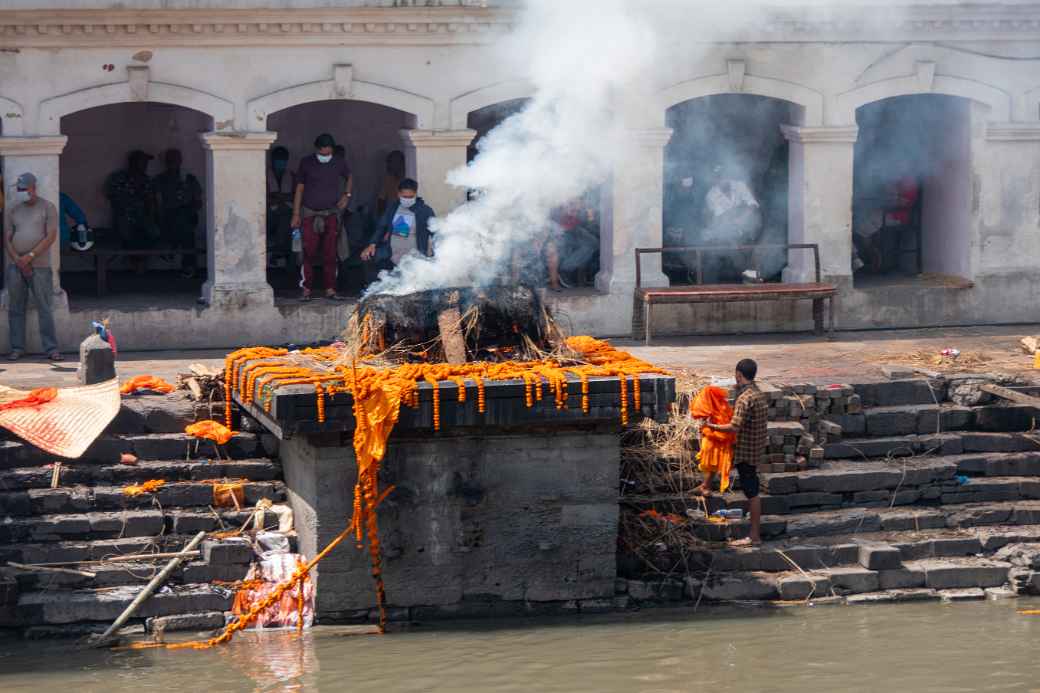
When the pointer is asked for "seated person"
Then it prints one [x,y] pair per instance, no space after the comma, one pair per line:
[404,229]
[574,246]
[280,186]
[68,209]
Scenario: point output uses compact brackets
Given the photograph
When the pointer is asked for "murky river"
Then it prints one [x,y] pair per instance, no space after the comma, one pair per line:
[978,646]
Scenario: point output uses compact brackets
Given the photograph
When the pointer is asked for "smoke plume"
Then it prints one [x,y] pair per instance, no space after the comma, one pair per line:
[586,59]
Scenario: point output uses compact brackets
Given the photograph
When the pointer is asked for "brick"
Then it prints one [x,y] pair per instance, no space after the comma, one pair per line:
[853,580]
[891,421]
[879,557]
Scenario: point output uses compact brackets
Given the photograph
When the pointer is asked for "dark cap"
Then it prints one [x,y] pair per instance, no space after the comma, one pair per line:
[324,140]
[25,181]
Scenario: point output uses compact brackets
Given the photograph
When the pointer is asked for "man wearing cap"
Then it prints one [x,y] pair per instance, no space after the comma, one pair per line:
[32,230]
[323,190]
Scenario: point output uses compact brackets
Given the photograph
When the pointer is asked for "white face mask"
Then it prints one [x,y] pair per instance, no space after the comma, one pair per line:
[324,158]
[22,196]
[407,202]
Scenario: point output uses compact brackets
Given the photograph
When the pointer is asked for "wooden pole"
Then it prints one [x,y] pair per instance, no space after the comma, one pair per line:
[1005,393]
[47,569]
[140,599]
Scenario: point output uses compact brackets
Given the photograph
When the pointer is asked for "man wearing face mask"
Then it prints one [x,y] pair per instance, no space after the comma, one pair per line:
[319,199]
[32,231]
[403,228]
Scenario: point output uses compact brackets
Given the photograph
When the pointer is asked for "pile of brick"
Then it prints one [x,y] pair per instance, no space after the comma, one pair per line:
[802,422]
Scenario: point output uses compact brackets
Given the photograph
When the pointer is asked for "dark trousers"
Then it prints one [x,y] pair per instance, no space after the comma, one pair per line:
[320,248]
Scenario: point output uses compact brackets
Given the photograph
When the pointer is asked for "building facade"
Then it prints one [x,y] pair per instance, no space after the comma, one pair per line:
[225,84]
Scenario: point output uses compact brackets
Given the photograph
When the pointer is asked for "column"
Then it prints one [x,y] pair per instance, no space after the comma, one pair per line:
[431,154]
[40,157]
[820,203]
[236,218]
[1006,201]
[633,216]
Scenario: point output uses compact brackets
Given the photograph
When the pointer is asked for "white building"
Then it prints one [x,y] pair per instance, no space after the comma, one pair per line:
[83,82]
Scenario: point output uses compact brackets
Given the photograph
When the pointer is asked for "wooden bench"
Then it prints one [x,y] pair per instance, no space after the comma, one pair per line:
[646,298]
[104,255]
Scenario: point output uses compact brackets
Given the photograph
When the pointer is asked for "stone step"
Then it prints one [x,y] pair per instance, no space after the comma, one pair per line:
[880,422]
[902,392]
[100,549]
[129,573]
[56,607]
[73,473]
[950,443]
[127,523]
[80,499]
[157,446]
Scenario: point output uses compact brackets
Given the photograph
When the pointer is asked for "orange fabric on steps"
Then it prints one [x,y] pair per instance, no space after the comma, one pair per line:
[716,453]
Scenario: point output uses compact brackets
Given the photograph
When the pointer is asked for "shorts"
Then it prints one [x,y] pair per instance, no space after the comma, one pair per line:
[749,483]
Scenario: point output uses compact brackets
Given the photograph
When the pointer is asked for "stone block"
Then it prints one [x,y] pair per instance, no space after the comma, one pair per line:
[853,580]
[891,421]
[198,572]
[897,372]
[879,557]
[976,441]
[814,498]
[870,598]
[97,361]
[1022,555]
[821,524]
[850,481]
[799,587]
[208,620]
[974,517]
[228,551]
[951,574]
[960,595]
[901,578]
[998,593]
[954,546]
[740,586]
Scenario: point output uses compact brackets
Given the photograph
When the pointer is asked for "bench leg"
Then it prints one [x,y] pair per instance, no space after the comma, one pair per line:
[817,316]
[647,316]
[830,317]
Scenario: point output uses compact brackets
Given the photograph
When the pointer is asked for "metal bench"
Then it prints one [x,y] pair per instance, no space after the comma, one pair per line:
[646,298]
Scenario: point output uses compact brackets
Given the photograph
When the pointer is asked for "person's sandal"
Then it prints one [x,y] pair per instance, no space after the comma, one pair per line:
[55,356]
[335,297]
[14,355]
[305,297]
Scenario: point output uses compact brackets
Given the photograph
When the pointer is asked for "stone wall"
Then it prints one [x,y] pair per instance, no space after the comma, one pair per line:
[476,522]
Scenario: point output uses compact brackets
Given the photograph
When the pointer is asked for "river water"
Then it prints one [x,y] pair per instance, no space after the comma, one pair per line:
[976,646]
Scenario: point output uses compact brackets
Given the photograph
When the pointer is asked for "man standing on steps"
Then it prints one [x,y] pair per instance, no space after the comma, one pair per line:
[33,229]
[750,415]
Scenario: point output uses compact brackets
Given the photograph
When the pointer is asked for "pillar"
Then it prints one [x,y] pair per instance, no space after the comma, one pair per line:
[634,218]
[40,157]
[236,218]
[1006,200]
[431,154]
[820,203]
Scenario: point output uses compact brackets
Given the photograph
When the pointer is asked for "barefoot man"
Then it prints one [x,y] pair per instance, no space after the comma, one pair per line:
[749,423]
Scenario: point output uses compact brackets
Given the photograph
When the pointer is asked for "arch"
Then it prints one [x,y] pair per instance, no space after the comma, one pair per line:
[12,115]
[51,110]
[260,108]
[463,105]
[810,100]
[999,102]
[1029,106]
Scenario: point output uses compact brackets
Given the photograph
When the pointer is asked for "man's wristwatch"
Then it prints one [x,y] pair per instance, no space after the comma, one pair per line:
[32,255]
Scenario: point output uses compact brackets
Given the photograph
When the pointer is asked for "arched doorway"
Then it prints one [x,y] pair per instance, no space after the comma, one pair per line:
[912,190]
[569,255]
[726,184]
[368,133]
[160,225]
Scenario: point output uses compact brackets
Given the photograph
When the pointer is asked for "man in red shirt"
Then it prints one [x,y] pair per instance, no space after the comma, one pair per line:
[323,190]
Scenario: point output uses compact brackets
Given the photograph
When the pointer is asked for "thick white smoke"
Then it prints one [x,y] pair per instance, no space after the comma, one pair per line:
[587,60]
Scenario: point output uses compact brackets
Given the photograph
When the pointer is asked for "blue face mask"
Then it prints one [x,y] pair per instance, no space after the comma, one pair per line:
[278,165]
[324,158]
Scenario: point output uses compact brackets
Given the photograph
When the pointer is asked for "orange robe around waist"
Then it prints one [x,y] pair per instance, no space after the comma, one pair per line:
[716,454]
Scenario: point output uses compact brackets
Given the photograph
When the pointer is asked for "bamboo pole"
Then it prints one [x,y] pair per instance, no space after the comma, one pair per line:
[48,569]
[121,559]
[140,599]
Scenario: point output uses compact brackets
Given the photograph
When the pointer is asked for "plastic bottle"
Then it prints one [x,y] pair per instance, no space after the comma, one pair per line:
[297,241]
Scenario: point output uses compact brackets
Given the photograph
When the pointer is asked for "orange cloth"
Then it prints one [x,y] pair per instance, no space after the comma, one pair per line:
[150,486]
[210,430]
[145,382]
[33,399]
[716,454]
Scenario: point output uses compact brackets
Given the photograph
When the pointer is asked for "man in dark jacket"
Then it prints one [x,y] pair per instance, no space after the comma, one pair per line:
[403,228]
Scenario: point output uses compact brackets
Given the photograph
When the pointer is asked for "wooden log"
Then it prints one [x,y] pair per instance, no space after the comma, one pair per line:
[149,589]
[47,569]
[123,559]
[449,323]
[1008,394]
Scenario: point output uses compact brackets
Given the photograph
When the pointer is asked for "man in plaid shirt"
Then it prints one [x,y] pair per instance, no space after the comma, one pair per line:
[750,414]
